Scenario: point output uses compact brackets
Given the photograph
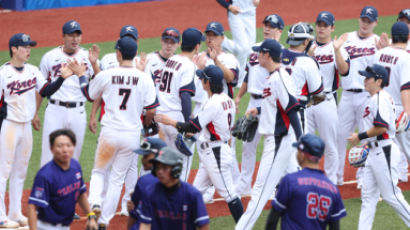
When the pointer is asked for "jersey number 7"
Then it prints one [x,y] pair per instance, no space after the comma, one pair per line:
[126,93]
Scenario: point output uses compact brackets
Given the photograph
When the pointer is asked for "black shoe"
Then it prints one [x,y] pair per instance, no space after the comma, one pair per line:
[76,216]
[102,227]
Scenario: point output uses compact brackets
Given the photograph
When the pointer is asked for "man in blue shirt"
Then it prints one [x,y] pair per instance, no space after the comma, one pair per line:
[307,199]
[58,186]
[171,203]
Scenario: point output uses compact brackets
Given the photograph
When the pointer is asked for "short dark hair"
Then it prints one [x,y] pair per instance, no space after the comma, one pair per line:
[11,53]
[216,88]
[187,48]
[399,38]
[62,132]
[127,56]
[274,59]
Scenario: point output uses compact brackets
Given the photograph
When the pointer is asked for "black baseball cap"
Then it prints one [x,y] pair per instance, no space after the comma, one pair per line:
[310,144]
[192,36]
[212,73]
[376,71]
[127,46]
[71,27]
[326,17]
[275,21]
[21,39]
[270,46]
[400,28]
[150,145]
[369,12]
[171,33]
[215,27]
[129,30]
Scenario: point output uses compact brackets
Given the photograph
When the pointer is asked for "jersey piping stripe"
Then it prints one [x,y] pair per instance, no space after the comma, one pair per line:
[146,218]
[318,90]
[217,154]
[38,200]
[279,204]
[201,219]
[214,135]
[405,86]
[339,213]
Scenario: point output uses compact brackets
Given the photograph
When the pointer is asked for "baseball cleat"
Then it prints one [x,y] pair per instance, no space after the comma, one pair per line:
[102,227]
[9,224]
[97,210]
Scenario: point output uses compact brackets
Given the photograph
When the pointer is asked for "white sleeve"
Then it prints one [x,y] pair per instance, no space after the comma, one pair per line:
[314,78]
[405,75]
[206,115]
[187,76]
[44,67]
[41,81]
[150,95]
[97,85]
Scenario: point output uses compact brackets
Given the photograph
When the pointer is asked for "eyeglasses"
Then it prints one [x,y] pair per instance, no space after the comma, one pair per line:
[171,33]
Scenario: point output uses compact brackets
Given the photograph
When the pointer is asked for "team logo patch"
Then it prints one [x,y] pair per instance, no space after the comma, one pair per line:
[323,15]
[38,192]
[369,11]
[73,24]
[78,175]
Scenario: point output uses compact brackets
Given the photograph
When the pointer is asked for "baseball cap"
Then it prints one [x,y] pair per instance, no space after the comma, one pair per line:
[192,36]
[310,144]
[171,33]
[271,46]
[326,17]
[150,145]
[376,71]
[275,21]
[400,28]
[129,30]
[168,156]
[405,13]
[215,27]
[213,73]
[369,12]
[71,27]
[127,46]
[21,39]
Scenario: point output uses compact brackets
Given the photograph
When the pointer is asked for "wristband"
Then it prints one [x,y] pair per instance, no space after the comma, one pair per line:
[363,135]
[91,215]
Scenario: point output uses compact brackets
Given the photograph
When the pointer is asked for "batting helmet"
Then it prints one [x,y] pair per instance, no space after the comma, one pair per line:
[169,156]
[298,33]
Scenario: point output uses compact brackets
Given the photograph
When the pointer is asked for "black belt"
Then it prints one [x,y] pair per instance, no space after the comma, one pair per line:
[256,96]
[67,104]
[355,90]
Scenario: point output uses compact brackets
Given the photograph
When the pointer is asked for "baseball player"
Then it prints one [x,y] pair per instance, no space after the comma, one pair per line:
[214,122]
[333,60]
[307,199]
[254,83]
[148,150]
[361,46]
[242,21]
[303,69]
[19,82]
[65,108]
[378,130]
[171,203]
[397,63]
[126,92]
[278,112]
[404,16]
[58,186]
[176,87]
[156,60]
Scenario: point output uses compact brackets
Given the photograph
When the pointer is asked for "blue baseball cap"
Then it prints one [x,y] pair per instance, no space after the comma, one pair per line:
[275,21]
[405,13]
[212,73]
[369,12]
[71,27]
[127,46]
[270,46]
[150,145]
[400,28]
[310,144]
[21,39]
[192,36]
[376,71]
[215,27]
[326,17]
[171,33]
[129,30]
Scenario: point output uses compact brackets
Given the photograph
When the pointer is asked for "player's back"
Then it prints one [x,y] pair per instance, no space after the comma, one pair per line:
[110,61]
[125,92]
[397,63]
[176,77]
[313,202]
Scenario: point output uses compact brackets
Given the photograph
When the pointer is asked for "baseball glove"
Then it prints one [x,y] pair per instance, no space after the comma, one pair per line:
[358,155]
[402,123]
[151,129]
[184,144]
[245,128]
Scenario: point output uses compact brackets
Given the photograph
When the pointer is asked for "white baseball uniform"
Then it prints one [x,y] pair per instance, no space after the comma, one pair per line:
[126,92]
[378,176]
[65,108]
[354,97]
[177,76]
[397,63]
[17,89]
[323,116]
[243,28]
[256,80]
[110,61]
[154,66]
[306,77]
[279,99]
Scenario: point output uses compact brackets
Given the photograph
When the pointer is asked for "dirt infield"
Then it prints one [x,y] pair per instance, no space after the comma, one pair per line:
[102,23]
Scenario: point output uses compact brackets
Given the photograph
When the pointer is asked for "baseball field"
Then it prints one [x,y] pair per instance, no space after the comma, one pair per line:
[101,25]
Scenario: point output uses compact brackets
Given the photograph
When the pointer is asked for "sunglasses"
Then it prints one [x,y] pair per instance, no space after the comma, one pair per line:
[370,70]
[171,33]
